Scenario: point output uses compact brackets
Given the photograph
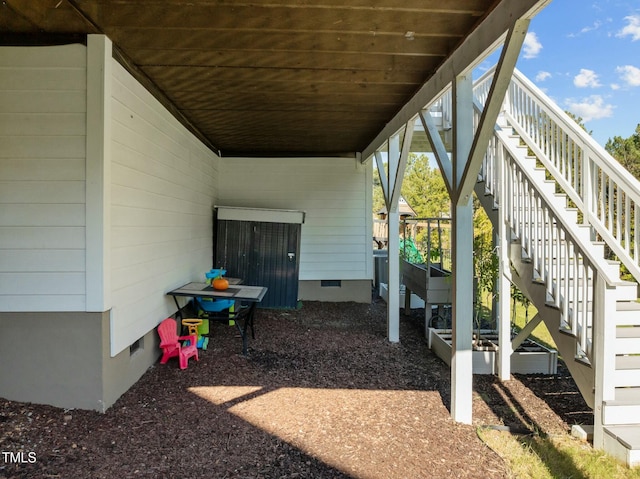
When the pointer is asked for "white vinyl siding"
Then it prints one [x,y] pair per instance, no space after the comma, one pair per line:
[42,175]
[163,187]
[335,194]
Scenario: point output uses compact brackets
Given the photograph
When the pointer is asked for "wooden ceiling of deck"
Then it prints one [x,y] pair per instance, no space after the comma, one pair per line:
[268,77]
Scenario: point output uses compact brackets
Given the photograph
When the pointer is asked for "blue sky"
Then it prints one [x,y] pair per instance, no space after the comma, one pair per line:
[585,55]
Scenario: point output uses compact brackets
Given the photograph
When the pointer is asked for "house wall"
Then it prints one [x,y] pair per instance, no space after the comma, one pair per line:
[43,94]
[63,359]
[135,179]
[144,187]
[52,358]
[336,234]
[163,189]
[42,178]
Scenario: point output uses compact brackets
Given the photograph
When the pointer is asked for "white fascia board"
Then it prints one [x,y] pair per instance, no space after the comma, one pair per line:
[481,42]
[266,215]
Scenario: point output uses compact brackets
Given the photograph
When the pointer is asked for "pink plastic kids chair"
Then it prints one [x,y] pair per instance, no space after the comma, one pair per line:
[171,346]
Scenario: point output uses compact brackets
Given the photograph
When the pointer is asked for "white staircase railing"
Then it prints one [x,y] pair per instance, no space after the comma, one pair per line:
[559,251]
[606,193]
[558,241]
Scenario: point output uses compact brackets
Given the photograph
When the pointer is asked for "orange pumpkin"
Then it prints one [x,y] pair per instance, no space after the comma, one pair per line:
[220,284]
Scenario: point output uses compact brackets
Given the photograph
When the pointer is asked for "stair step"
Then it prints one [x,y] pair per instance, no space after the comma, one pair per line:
[628,313]
[596,248]
[628,435]
[626,397]
[572,214]
[585,232]
[626,290]
[627,340]
[628,332]
[623,442]
[549,187]
[560,199]
[627,372]
[613,267]
[628,362]
[624,409]
[615,413]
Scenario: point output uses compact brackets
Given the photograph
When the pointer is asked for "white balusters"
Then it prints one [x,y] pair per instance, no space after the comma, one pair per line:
[582,168]
[559,253]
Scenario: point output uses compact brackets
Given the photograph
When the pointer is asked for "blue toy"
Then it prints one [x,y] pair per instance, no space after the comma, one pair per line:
[214,273]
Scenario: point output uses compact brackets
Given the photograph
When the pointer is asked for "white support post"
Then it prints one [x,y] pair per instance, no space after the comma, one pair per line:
[98,174]
[397,158]
[604,335]
[462,358]
[462,249]
[505,348]
[393,303]
[393,244]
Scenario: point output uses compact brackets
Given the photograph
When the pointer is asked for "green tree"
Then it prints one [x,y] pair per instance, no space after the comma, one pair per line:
[485,258]
[424,188]
[626,151]
[579,121]
[378,196]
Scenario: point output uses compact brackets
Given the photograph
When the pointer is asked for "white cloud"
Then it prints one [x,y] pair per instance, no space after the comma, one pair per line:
[542,76]
[590,108]
[615,86]
[597,24]
[586,78]
[629,74]
[531,46]
[632,28]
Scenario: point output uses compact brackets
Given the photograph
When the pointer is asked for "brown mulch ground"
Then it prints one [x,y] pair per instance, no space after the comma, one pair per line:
[322,394]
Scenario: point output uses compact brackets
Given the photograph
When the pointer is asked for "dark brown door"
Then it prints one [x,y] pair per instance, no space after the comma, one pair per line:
[262,254]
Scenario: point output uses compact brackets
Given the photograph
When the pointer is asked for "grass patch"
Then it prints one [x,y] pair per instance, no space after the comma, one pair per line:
[546,457]
[521,316]
[539,456]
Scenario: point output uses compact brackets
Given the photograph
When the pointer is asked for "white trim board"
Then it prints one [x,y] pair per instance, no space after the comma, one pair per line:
[266,215]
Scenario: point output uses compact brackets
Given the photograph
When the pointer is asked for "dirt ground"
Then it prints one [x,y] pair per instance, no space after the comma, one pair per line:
[322,394]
